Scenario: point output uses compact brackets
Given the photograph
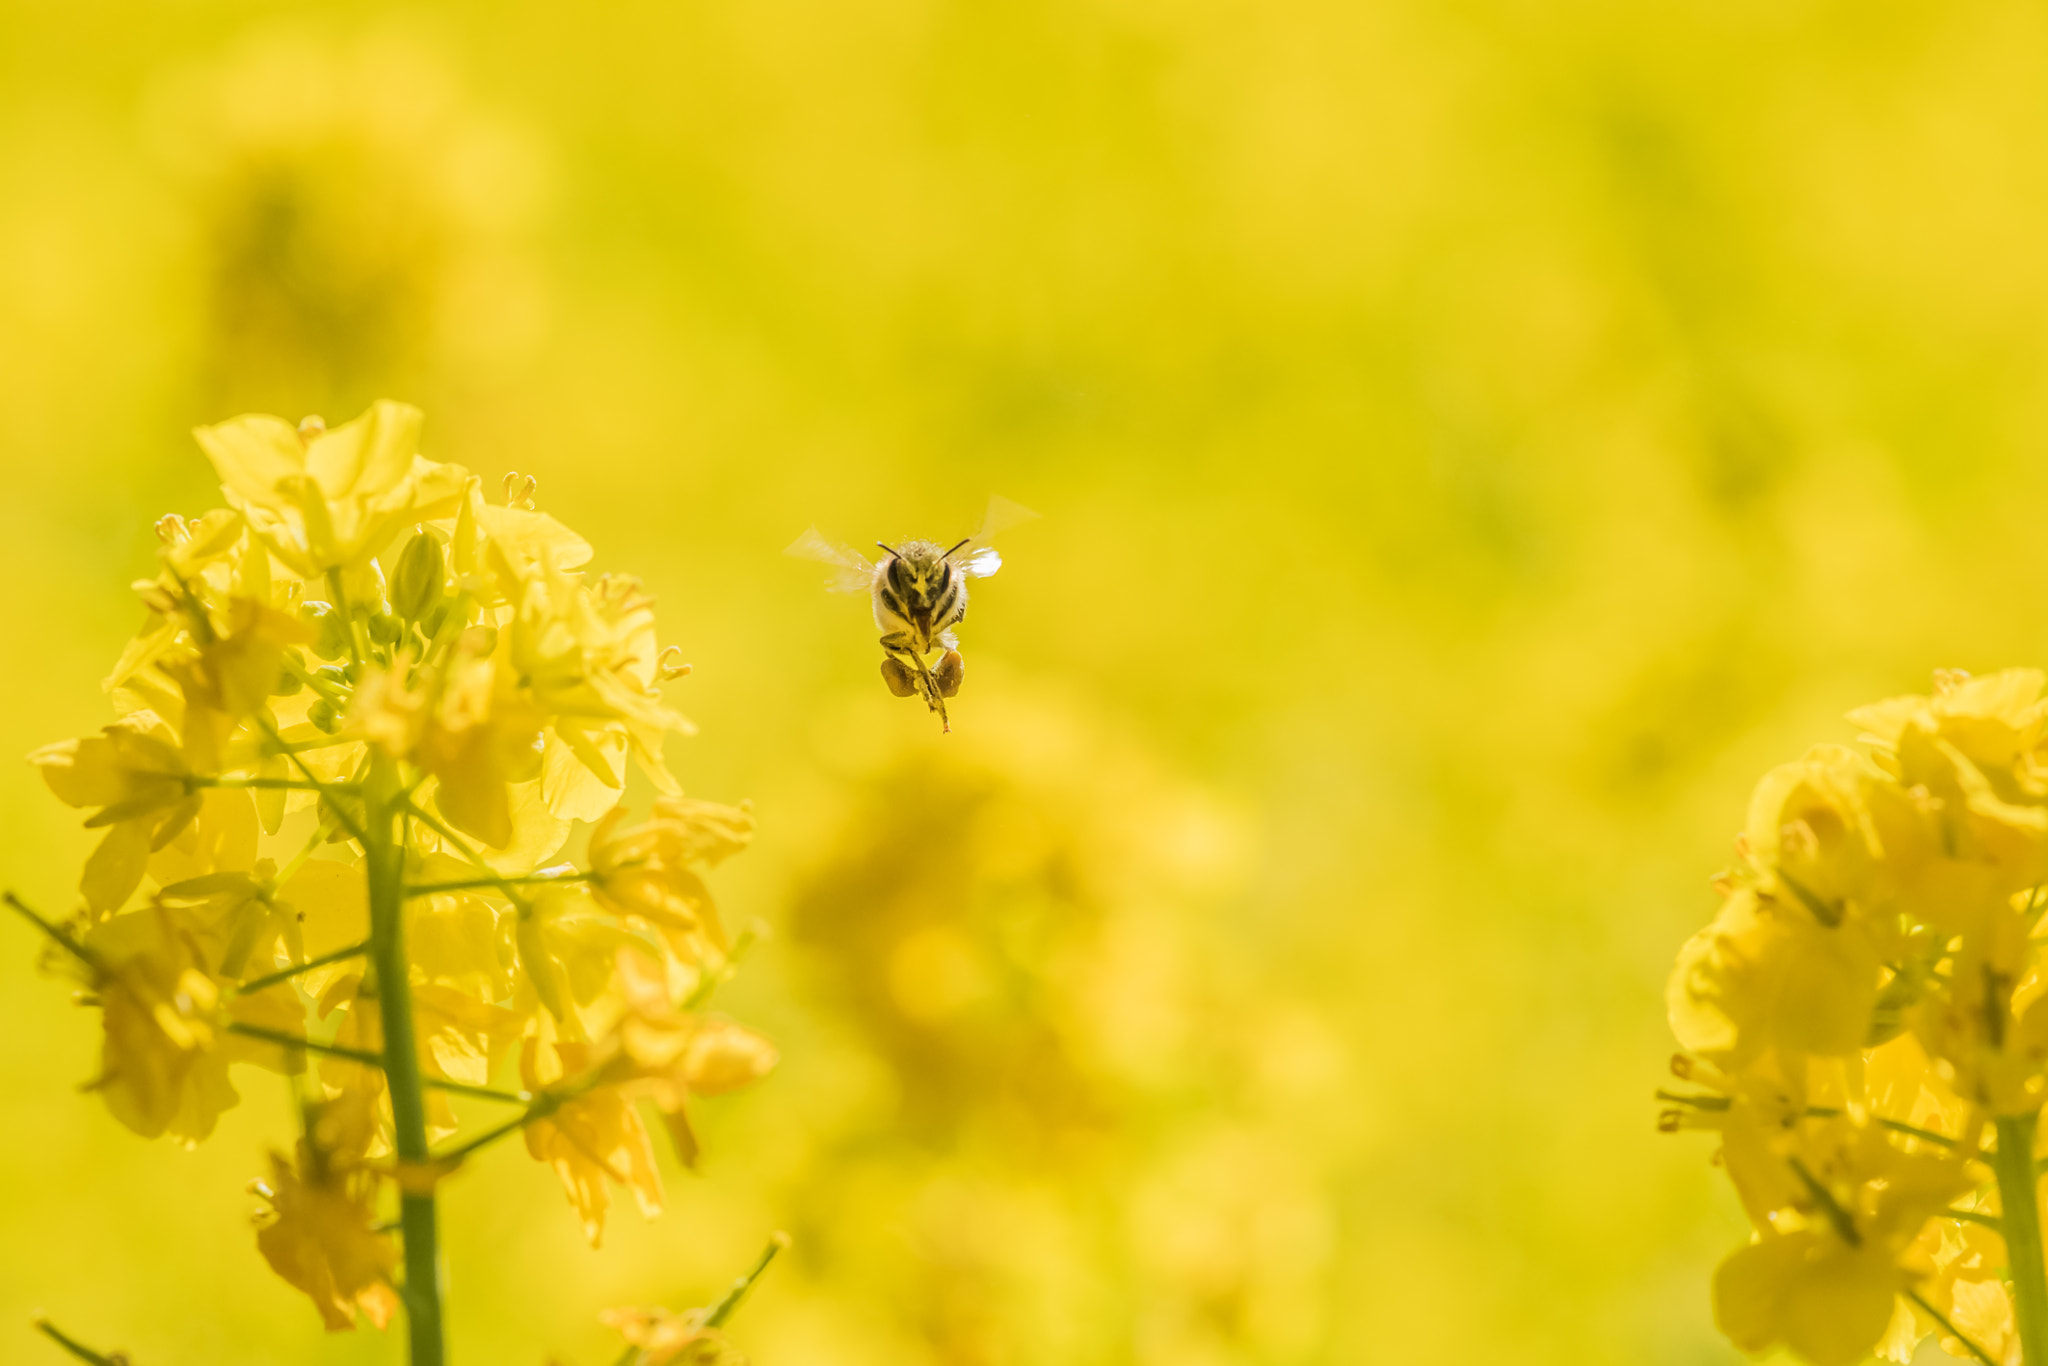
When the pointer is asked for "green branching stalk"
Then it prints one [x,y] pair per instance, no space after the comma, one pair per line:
[474,884]
[284,1040]
[723,1310]
[56,932]
[271,979]
[2020,1222]
[77,1348]
[1947,1327]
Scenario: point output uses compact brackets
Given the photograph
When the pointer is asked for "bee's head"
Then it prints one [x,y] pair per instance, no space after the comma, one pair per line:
[918,571]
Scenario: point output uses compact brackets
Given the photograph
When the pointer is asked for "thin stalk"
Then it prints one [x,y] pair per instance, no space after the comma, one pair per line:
[714,978]
[1822,1112]
[463,1088]
[385,854]
[537,1110]
[271,979]
[1975,1216]
[54,930]
[197,780]
[327,790]
[495,883]
[358,637]
[332,1050]
[377,1060]
[77,1348]
[328,825]
[2020,1222]
[468,852]
[723,1310]
[1949,1328]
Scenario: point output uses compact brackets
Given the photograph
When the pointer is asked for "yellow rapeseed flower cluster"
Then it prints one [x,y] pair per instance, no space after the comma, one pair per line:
[1865,1024]
[366,711]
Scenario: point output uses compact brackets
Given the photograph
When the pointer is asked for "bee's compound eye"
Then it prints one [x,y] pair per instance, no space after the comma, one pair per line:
[897,677]
[949,673]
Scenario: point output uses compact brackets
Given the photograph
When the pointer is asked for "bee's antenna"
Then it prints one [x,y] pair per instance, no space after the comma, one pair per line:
[886,546]
[963,541]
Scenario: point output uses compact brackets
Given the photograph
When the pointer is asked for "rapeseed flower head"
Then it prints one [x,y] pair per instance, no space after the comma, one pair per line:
[1866,1026]
[365,711]
[318,1231]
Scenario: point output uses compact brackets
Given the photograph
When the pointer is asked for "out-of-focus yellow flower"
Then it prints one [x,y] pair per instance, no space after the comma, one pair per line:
[1765,973]
[568,952]
[330,500]
[666,1339]
[589,1140]
[590,655]
[1873,1004]
[458,1038]
[1965,761]
[1967,1286]
[1809,835]
[678,1054]
[1826,1289]
[653,871]
[134,772]
[319,1232]
[461,941]
[164,1063]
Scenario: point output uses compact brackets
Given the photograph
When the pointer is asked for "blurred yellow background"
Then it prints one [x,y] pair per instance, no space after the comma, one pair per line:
[1474,439]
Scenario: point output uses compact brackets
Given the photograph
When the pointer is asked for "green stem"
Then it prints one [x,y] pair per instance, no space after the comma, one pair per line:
[358,638]
[538,1109]
[1949,1328]
[332,1050]
[2020,1221]
[76,1348]
[328,825]
[271,979]
[469,854]
[722,1311]
[327,790]
[385,854]
[196,780]
[369,1059]
[494,883]
[55,931]
[1819,1112]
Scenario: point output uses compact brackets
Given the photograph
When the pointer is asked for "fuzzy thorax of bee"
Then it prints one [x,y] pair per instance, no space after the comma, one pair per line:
[919,593]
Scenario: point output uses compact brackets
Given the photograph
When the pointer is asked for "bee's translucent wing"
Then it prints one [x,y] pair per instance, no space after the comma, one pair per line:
[976,556]
[856,574]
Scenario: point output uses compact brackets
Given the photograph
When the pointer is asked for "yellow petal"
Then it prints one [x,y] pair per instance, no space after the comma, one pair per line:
[253,455]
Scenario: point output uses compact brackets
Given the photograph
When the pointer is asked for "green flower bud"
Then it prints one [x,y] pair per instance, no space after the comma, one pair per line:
[333,641]
[323,715]
[288,681]
[417,584]
[384,628]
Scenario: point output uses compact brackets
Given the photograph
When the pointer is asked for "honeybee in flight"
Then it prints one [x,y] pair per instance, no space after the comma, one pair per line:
[919,593]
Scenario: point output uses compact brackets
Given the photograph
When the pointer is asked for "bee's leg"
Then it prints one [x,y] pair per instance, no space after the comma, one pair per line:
[902,651]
